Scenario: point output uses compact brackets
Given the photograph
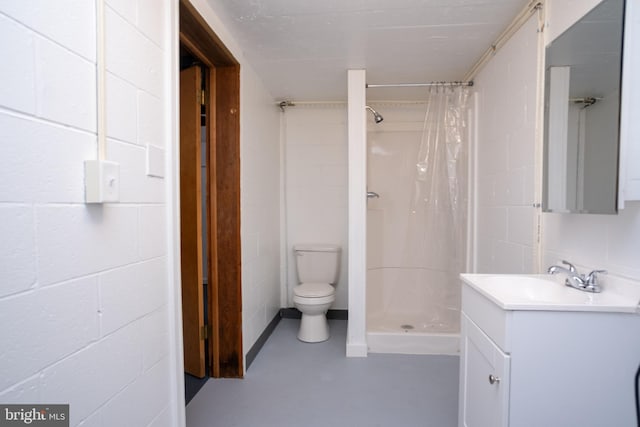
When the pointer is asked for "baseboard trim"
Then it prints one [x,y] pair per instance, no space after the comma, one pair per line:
[294,313]
[257,346]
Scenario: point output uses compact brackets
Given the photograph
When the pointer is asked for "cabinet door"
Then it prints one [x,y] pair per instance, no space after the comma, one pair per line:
[484,380]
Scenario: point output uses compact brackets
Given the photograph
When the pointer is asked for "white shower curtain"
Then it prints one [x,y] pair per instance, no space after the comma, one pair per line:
[416,229]
[436,235]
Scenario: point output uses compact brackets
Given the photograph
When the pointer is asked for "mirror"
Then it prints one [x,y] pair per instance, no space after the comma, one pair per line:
[582,113]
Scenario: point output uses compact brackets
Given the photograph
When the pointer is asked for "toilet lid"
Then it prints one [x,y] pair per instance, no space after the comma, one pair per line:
[313,290]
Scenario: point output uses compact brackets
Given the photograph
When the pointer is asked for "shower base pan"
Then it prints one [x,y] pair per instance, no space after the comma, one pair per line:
[404,335]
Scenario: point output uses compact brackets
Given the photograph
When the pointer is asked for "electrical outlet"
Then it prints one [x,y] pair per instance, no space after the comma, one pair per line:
[101,181]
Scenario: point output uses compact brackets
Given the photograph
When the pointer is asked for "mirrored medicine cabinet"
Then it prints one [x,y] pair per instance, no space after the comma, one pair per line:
[583,68]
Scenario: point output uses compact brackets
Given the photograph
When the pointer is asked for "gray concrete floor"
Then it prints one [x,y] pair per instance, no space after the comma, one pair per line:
[291,383]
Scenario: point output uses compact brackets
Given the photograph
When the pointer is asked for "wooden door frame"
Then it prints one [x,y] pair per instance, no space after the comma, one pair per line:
[223,197]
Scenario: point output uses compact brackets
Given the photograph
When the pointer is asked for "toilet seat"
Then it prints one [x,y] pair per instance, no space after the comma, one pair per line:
[313,299]
[314,290]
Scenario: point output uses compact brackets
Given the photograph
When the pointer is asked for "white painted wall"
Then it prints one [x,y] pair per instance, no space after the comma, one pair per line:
[357,149]
[316,185]
[260,206]
[505,174]
[84,295]
[87,314]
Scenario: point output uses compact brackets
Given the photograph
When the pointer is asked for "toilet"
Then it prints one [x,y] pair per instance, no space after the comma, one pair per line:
[317,266]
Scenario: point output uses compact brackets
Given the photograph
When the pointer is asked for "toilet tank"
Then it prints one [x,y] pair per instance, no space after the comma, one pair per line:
[317,263]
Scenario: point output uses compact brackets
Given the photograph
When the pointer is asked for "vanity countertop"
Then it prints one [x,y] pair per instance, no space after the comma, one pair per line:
[546,292]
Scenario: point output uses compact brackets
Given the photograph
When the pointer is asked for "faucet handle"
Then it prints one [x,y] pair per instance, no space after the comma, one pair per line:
[571,266]
[592,277]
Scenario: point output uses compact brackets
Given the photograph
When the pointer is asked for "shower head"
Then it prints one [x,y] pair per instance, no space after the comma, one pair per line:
[376,116]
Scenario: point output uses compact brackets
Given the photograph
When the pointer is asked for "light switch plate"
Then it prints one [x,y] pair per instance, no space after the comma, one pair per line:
[155,161]
[101,181]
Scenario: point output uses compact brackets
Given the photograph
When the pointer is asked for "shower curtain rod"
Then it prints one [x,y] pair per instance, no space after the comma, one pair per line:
[432,84]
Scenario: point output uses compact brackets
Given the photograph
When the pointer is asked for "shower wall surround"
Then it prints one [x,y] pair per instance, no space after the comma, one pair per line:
[415,227]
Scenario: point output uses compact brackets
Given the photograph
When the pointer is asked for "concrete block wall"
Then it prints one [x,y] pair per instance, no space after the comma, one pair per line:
[506,88]
[316,185]
[84,315]
[260,206]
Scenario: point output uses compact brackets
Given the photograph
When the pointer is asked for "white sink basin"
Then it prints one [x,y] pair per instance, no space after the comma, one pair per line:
[530,288]
[547,292]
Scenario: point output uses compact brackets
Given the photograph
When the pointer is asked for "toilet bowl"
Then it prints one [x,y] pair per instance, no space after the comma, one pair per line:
[317,268]
[313,300]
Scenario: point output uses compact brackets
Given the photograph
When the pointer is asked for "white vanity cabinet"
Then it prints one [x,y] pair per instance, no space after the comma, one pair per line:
[486,379]
[541,364]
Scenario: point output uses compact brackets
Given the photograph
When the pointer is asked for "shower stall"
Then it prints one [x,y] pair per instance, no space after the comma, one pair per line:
[417,179]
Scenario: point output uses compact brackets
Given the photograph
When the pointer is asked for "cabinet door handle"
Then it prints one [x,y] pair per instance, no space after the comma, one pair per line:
[493,379]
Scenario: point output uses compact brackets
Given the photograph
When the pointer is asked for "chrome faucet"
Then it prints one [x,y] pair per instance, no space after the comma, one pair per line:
[571,270]
[588,283]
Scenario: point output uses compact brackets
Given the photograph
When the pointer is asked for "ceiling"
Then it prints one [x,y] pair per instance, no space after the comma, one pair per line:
[302,48]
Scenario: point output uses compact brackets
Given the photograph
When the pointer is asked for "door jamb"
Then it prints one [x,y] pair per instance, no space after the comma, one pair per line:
[224,296]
